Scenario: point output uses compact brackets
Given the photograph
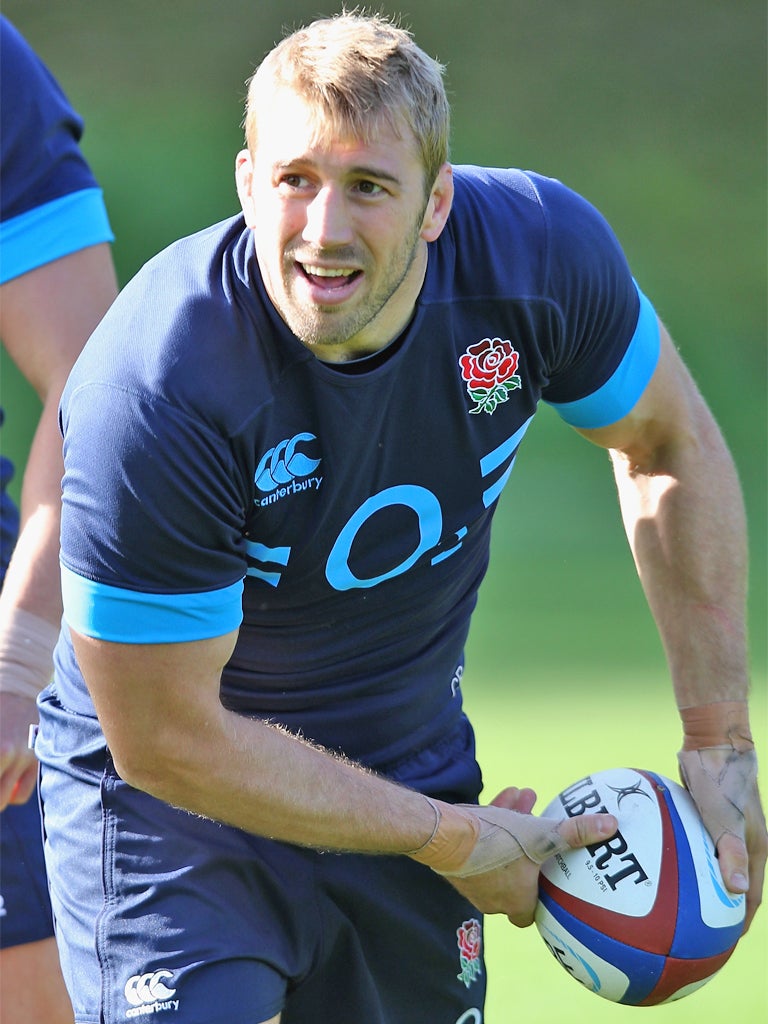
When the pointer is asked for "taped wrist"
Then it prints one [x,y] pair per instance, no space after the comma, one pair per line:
[718,764]
[470,840]
[723,724]
[453,838]
[26,652]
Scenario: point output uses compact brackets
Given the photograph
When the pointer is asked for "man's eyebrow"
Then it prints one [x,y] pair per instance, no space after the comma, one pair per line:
[374,172]
[358,171]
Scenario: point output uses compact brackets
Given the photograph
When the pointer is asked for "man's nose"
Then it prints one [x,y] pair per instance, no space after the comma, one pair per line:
[328,220]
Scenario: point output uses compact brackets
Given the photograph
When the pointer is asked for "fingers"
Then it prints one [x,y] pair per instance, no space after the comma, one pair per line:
[755,892]
[25,786]
[511,890]
[17,779]
[514,799]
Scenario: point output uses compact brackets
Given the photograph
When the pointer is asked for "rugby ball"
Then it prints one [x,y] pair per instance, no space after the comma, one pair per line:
[641,918]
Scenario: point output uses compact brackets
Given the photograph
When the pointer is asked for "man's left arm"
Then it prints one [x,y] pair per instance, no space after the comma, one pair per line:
[684,517]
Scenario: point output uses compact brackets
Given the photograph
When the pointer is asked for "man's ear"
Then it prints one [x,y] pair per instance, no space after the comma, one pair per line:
[244,181]
[439,204]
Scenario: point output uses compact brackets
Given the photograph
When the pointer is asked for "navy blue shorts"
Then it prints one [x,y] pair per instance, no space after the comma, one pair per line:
[25,912]
[159,911]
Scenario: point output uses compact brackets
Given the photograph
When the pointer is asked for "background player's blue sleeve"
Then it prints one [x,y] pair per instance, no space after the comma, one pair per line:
[48,232]
[50,202]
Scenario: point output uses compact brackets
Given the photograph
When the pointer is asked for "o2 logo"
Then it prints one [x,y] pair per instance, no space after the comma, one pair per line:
[289,467]
[429,516]
[417,501]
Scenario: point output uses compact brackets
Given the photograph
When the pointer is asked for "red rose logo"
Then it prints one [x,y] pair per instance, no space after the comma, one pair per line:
[469,938]
[489,368]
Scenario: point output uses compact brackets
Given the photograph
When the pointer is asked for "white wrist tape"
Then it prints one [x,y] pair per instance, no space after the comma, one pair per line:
[26,652]
[470,840]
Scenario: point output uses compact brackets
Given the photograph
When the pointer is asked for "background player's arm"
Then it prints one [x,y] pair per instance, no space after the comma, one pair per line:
[46,316]
[683,513]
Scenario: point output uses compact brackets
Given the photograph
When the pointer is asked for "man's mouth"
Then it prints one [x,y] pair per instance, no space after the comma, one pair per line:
[328,277]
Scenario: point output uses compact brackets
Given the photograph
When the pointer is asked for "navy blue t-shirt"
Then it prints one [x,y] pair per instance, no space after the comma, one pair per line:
[218,474]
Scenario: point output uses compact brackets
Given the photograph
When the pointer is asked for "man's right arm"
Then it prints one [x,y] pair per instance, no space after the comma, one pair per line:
[258,777]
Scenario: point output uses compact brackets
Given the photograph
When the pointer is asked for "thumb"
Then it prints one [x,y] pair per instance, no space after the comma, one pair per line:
[506,835]
[586,830]
[733,863]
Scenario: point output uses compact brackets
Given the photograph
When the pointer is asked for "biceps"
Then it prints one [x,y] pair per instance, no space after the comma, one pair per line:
[144,690]
[49,313]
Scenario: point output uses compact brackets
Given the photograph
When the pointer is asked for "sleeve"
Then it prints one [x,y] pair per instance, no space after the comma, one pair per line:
[607,337]
[152,520]
[50,202]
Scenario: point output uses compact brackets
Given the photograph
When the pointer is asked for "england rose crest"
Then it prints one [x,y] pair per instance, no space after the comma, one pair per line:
[469,938]
[489,368]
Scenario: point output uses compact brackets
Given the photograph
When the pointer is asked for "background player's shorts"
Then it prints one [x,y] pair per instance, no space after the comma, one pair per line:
[25,910]
[212,925]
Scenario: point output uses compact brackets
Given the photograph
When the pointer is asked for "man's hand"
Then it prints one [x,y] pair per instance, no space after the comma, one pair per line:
[723,784]
[499,871]
[18,766]
[718,765]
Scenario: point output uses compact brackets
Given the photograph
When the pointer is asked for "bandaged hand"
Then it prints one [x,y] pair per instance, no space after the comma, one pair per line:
[469,840]
[718,765]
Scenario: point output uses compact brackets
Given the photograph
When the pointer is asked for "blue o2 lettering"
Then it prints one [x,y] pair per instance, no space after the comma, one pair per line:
[430,519]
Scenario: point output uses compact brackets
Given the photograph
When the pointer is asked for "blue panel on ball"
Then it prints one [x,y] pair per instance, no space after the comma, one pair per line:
[641,968]
[694,939]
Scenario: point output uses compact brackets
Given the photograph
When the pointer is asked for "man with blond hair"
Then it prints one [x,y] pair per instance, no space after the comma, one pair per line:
[284,447]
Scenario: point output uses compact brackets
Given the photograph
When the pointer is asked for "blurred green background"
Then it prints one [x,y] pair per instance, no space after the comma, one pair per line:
[656,112]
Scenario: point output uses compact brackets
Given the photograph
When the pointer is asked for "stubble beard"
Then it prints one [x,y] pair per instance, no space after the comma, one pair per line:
[335,325]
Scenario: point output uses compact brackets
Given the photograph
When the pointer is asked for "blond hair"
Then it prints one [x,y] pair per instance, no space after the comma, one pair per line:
[357,71]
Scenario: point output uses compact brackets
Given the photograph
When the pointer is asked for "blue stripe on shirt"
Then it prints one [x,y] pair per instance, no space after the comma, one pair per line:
[620,393]
[132,617]
[53,230]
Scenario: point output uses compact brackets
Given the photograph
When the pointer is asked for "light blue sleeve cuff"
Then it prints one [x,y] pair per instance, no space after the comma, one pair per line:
[53,230]
[132,617]
[620,393]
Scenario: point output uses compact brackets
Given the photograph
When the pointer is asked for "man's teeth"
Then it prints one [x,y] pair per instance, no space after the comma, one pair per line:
[326,271]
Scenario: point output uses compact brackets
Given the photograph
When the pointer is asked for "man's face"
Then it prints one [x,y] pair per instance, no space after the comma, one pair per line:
[340,228]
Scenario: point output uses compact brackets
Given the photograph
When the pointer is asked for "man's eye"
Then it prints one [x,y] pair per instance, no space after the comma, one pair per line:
[293,181]
[369,188]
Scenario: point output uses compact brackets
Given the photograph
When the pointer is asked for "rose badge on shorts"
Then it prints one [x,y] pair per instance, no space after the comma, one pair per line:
[470,938]
[489,368]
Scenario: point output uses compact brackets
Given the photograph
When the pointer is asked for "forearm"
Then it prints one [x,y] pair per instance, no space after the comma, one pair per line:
[46,316]
[257,777]
[685,521]
[684,517]
[32,580]
[169,735]
[30,601]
